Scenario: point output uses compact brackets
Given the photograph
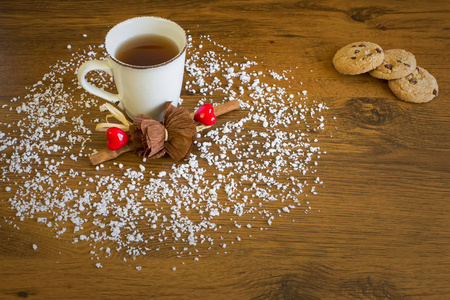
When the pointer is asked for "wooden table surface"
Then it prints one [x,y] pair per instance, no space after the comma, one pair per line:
[375,226]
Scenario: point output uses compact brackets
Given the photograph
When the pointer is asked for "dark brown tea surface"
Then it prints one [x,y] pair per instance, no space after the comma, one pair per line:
[146,50]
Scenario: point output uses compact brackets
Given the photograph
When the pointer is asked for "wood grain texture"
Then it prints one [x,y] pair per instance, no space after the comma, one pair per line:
[379,229]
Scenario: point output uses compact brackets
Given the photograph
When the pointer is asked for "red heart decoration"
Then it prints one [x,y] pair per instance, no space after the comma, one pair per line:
[205,115]
[117,138]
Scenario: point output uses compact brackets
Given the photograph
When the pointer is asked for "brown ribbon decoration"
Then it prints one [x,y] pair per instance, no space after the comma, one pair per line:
[174,136]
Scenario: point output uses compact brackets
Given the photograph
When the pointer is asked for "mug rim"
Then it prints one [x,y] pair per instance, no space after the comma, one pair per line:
[180,53]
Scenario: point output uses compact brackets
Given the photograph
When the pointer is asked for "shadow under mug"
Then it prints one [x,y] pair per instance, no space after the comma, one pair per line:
[141,89]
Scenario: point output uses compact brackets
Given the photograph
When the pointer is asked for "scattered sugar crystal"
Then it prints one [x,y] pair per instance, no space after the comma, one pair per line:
[233,174]
[35,247]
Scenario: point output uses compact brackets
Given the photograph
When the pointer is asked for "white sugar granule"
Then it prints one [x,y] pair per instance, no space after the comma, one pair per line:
[35,247]
[261,165]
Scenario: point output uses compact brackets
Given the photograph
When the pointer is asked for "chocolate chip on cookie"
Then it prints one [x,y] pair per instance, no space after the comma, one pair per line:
[357,58]
[397,63]
[418,87]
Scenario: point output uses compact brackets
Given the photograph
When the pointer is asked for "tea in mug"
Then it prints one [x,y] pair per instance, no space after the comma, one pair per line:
[147,50]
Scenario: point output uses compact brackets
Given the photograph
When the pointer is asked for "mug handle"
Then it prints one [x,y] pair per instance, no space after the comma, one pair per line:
[92,65]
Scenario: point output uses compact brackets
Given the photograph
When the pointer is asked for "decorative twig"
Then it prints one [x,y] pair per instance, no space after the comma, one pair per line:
[106,154]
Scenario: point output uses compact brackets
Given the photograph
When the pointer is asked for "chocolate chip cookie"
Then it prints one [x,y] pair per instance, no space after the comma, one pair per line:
[397,63]
[357,58]
[418,87]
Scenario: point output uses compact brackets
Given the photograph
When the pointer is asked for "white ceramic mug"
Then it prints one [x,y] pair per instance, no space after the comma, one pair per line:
[141,89]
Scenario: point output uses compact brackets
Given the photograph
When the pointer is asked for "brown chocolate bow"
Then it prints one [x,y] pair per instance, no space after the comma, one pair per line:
[174,136]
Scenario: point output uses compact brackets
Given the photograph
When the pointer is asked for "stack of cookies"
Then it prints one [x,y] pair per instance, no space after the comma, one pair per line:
[406,80]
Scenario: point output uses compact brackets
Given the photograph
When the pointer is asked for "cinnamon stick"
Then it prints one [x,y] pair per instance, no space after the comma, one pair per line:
[226,107]
[106,154]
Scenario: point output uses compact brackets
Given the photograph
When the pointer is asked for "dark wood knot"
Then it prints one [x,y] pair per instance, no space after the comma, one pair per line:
[370,288]
[371,111]
[381,27]
[362,14]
